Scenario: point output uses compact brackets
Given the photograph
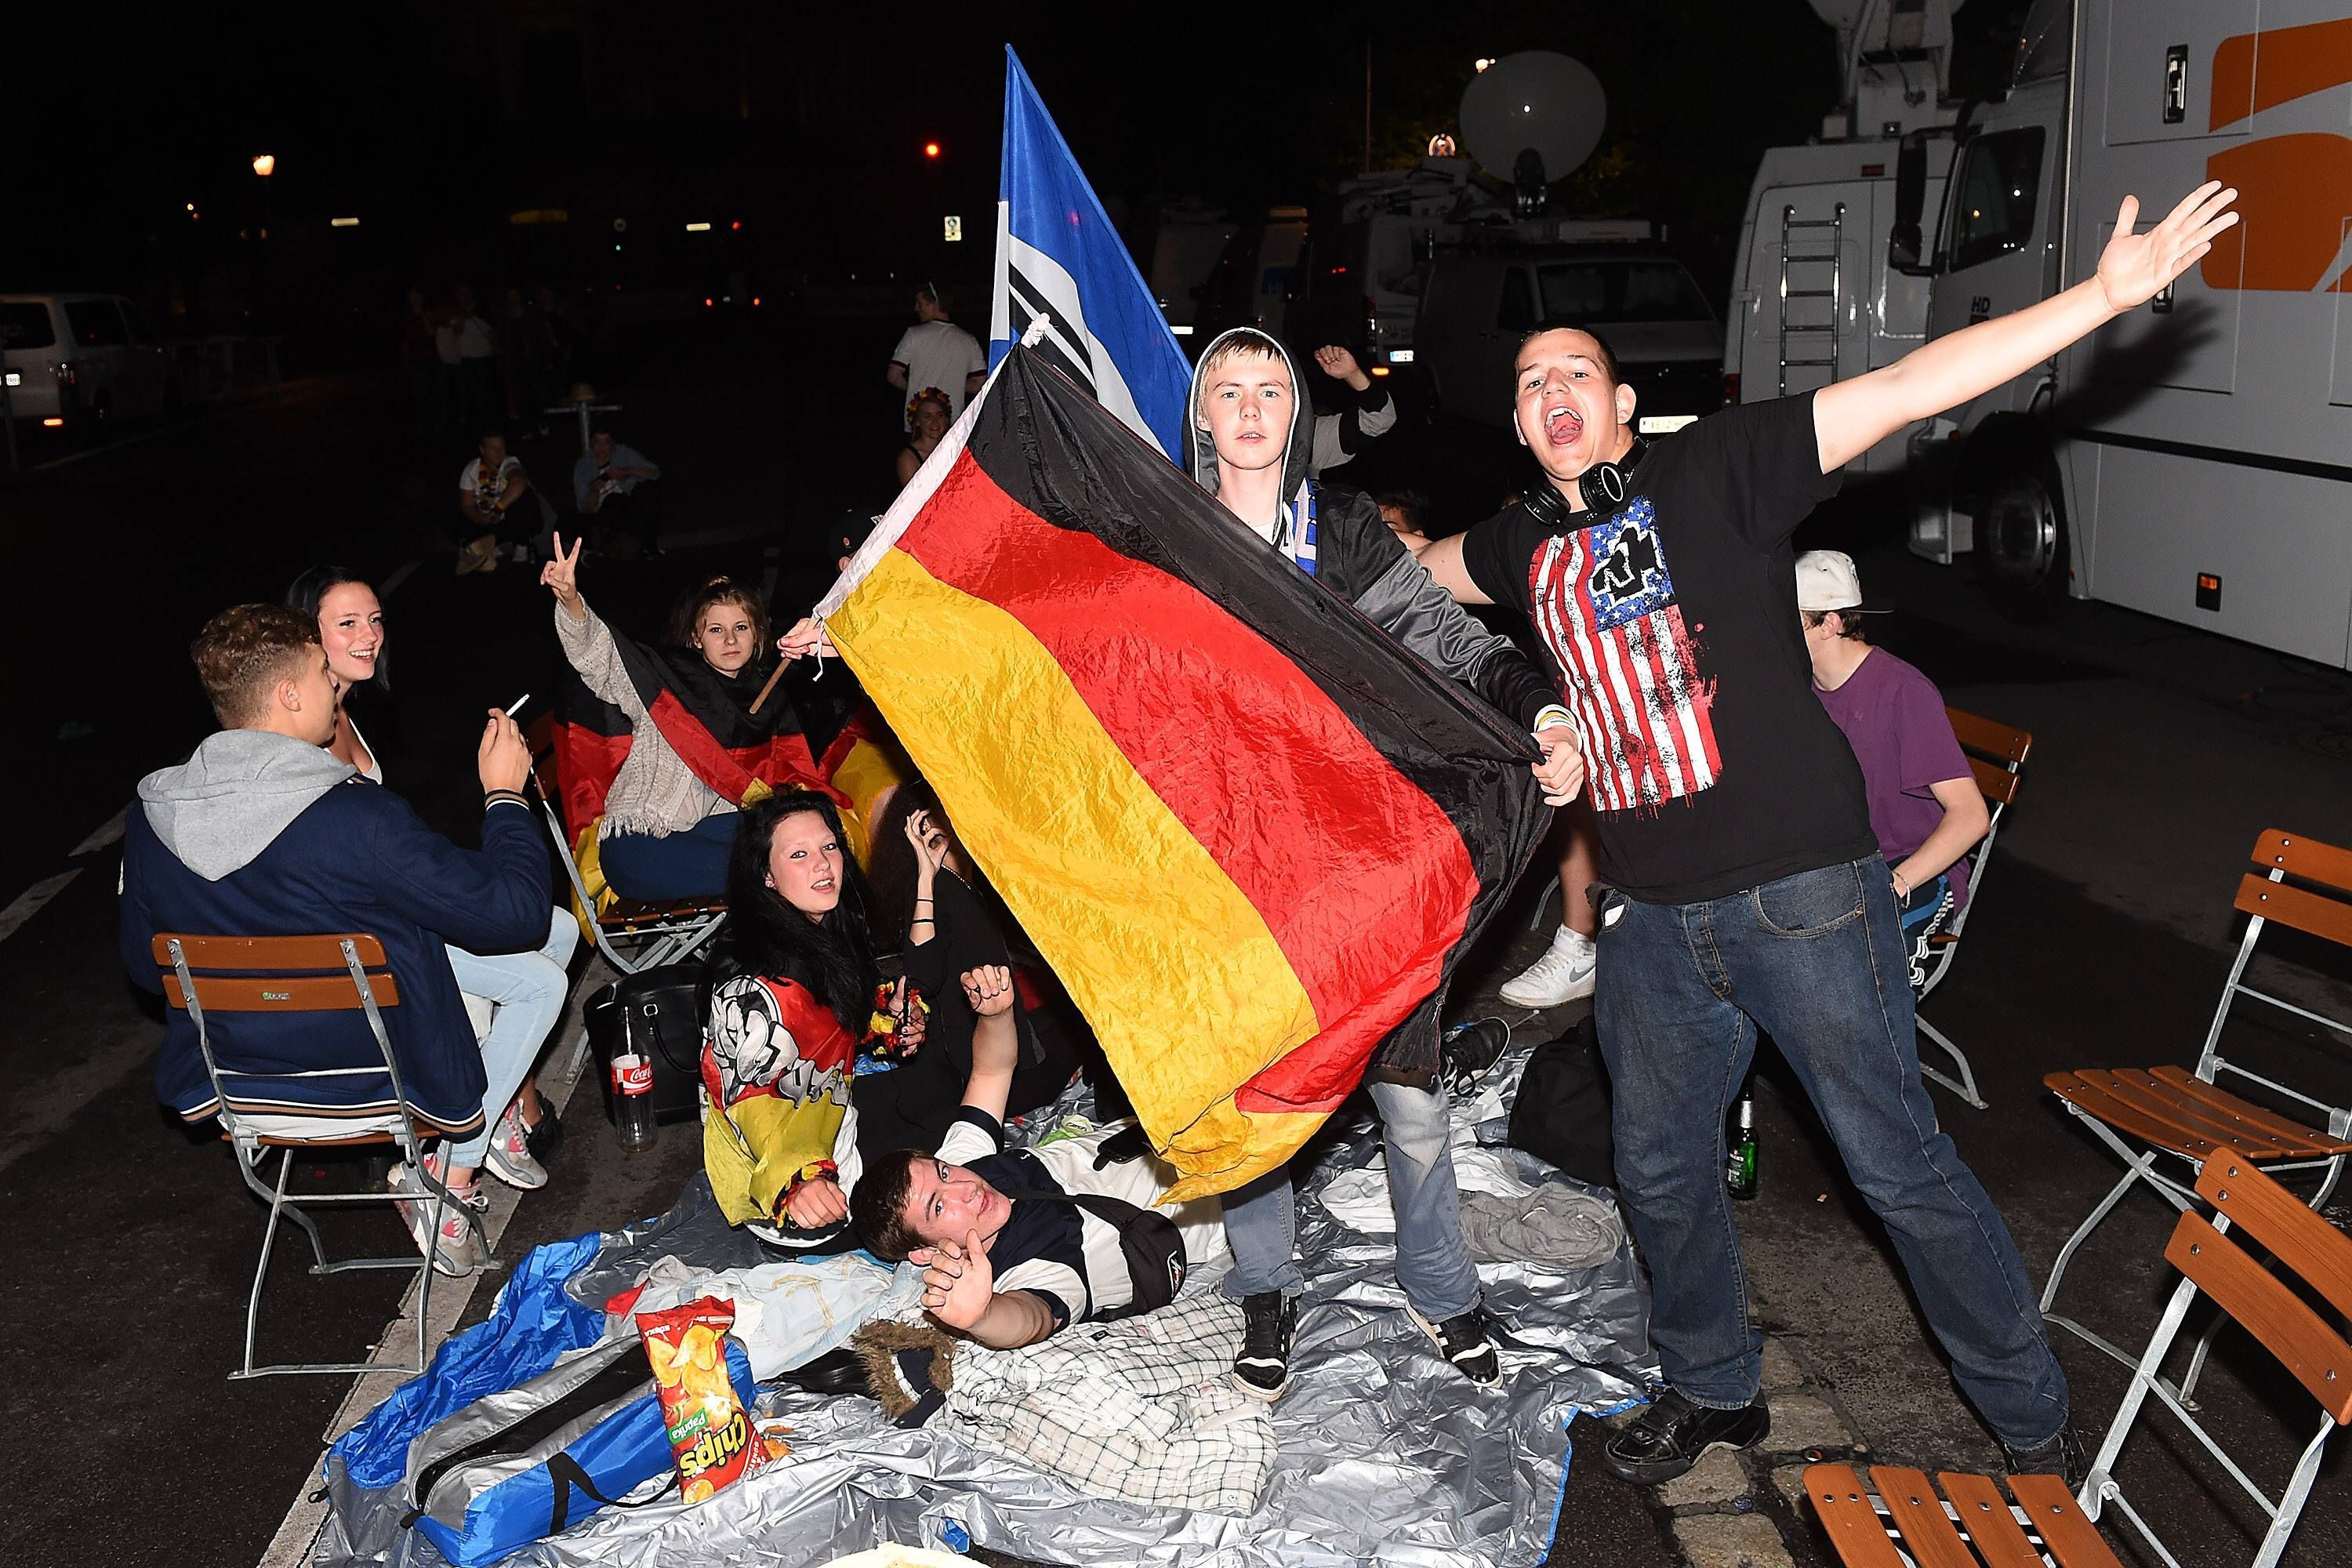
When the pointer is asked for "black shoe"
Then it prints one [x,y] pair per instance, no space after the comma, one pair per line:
[1263,1369]
[545,1138]
[1464,1340]
[2060,1456]
[1673,1435]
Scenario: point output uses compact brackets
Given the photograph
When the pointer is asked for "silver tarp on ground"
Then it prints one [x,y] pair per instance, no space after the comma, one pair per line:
[1388,1456]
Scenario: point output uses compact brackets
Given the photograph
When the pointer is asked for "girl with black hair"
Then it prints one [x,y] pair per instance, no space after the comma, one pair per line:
[928,889]
[787,1022]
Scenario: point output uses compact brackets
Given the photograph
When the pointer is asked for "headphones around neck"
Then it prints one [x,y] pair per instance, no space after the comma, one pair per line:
[1602,487]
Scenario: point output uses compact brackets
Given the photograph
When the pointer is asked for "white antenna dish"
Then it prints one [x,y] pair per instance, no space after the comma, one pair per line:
[1535,102]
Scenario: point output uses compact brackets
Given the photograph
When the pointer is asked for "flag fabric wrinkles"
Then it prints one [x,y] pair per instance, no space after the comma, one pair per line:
[1059,256]
[1249,832]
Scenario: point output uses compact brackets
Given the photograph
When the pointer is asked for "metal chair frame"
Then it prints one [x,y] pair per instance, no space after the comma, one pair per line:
[1996,755]
[2276,848]
[1906,1507]
[632,942]
[361,952]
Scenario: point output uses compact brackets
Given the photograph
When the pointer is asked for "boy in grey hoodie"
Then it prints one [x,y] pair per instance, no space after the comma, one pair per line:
[1250,438]
[262,831]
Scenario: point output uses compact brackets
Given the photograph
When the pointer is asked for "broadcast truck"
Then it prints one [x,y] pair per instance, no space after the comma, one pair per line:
[2193,460]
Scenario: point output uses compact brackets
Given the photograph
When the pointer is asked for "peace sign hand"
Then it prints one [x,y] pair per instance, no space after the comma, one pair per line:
[562,575]
[2135,268]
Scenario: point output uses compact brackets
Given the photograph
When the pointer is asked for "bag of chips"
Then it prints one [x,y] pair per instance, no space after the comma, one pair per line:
[711,1435]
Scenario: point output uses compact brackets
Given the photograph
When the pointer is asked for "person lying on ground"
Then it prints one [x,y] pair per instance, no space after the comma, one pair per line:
[1748,889]
[265,832]
[670,814]
[1925,805]
[1015,1244]
[795,999]
[524,991]
[928,894]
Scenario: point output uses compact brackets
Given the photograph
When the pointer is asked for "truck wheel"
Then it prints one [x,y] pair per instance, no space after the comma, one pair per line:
[2022,559]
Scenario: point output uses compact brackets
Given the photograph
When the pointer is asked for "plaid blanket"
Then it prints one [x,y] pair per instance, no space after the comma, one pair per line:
[1139,1409]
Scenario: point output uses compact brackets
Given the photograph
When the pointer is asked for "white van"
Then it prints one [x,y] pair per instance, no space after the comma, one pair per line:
[81,358]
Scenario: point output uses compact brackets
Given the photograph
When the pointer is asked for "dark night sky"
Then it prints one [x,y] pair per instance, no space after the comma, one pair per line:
[434,120]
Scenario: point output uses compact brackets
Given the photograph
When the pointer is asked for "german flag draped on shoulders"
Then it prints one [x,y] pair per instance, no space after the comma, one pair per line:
[1250,831]
[705,716]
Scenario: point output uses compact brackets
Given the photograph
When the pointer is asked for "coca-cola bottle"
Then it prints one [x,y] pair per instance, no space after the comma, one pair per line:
[633,1101]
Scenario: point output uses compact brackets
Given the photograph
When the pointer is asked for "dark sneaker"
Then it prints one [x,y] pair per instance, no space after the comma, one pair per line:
[1673,1435]
[2060,1456]
[546,1137]
[1263,1369]
[1465,1340]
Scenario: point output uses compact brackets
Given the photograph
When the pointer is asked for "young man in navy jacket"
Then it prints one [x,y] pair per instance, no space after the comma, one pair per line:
[263,832]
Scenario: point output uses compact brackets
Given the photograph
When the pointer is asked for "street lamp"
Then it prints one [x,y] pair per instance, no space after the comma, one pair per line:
[265,164]
[1481,65]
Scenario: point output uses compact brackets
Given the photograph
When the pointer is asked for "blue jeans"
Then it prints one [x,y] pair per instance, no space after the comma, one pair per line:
[1816,959]
[658,871]
[526,991]
[1432,1255]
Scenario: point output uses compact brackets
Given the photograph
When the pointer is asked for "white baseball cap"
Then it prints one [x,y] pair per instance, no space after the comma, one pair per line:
[1826,580]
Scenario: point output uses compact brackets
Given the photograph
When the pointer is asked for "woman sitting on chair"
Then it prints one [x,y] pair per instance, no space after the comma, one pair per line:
[696,753]
[526,991]
[796,998]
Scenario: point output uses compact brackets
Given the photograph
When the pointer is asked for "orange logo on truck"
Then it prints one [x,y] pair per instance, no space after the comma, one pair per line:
[2295,189]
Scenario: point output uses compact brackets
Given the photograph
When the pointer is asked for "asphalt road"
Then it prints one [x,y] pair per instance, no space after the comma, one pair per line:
[2101,939]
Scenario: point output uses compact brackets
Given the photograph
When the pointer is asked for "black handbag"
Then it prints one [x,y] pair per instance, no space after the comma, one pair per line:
[657,1013]
[1561,1112]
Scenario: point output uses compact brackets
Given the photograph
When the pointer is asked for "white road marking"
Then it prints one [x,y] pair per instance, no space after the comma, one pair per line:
[109,833]
[29,902]
[400,574]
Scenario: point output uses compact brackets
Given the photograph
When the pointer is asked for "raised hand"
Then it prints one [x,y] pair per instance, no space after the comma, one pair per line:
[2135,266]
[807,637]
[989,989]
[1337,362]
[503,759]
[959,1284]
[930,842]
[562,575]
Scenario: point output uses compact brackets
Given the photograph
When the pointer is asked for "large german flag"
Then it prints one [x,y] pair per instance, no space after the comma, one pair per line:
[1249,832]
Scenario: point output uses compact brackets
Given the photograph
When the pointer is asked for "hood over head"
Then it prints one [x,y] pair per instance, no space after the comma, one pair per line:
[1200,452]
[229,801]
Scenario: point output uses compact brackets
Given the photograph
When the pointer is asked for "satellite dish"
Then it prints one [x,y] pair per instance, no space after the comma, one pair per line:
[1534,102]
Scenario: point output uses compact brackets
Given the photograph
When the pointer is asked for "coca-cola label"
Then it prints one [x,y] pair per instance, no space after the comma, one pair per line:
[633,1074]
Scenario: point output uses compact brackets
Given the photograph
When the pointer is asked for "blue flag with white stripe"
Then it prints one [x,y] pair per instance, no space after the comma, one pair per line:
[1057,256]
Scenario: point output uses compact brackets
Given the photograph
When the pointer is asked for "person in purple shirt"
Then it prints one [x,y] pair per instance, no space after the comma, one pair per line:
[1924,805]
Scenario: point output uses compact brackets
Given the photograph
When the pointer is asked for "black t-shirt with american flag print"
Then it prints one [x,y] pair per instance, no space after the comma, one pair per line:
[1672,623]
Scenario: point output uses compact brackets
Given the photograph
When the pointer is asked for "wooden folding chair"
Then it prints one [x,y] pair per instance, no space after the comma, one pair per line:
[2183,1114]
[1935,1533]
[630,935]
[1996,755]
[211,976]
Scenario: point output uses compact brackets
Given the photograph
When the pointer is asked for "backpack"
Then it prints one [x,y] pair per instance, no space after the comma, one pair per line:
[529,1462]
[1561,1112]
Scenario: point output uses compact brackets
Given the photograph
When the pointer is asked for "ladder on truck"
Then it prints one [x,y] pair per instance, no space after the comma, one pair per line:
[1807,336]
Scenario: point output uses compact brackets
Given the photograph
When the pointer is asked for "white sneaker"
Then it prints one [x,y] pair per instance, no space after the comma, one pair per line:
[508,1155]
[1563,974]
[455,1251]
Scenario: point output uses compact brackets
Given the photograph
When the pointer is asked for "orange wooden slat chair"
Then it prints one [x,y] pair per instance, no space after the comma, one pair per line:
[1976,1527]
[217,978]
[1996,755]
[2179,1113]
